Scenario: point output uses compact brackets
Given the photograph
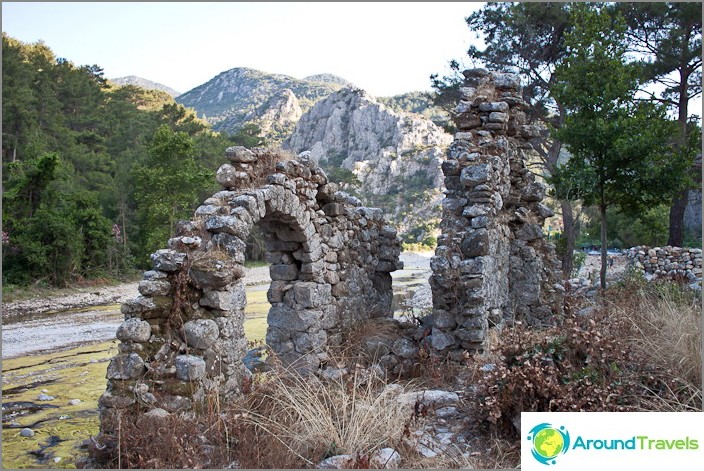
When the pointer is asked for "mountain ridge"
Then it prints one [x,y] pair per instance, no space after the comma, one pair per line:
[144,83]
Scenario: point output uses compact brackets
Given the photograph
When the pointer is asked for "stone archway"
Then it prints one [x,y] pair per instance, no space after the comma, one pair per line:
[330,259]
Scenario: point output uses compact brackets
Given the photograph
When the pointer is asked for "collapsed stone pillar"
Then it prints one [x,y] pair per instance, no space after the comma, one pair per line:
[492,263]
[330,259]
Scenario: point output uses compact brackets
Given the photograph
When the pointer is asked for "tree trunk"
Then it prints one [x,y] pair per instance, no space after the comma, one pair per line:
[569,235]
[676,230]
[602,273]
[679,203]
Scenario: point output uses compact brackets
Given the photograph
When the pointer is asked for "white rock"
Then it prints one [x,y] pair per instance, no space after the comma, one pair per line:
[74,402]
[27,432]
[337,462]
[386,458]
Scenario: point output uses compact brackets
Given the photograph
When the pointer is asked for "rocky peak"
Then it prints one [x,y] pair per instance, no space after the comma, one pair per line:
[394,156]
[278,116]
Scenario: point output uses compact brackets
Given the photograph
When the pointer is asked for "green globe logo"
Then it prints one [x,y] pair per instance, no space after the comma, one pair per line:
[548,442]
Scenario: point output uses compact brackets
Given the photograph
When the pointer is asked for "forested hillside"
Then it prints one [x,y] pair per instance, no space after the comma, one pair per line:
[94,176]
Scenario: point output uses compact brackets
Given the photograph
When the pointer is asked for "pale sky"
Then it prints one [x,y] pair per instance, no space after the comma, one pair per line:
[384,48]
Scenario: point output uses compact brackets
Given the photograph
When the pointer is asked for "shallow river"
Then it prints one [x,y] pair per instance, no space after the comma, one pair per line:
[63,357]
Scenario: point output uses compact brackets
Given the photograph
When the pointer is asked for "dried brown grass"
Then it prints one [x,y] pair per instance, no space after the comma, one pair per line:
[266,164]
[313,419]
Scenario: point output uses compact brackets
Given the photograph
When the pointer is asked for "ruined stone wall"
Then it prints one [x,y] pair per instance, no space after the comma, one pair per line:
[674,263]
[330,259]
[492,263]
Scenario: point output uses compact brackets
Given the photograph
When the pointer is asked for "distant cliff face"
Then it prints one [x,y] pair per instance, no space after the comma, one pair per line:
[394,157]
[145,84]
[239,95]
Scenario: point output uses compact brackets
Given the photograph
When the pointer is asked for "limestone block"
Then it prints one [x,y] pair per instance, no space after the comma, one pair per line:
[283,272]
[405,348]
[230,177]
[475,175]
[167,260]
[475,210]
[476,243]
[128,366]
[147,307]
[504,81]
[529,232]
[497,106]
[443,319]
[231,299]
[290,320]
[201,333]
[441,340]
[229,225]
[498,117]
[189,367]
[134,330]
[312,295]
[154,287]
[240,154]
[214,271]
[533,192]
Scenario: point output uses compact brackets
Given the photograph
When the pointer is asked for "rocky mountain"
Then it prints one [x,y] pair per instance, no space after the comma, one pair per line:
[329,78]
[239,95]
[391,159]
[144,83]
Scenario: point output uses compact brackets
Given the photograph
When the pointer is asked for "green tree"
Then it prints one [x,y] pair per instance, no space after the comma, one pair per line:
[168,186]
[621,150]
[669,36]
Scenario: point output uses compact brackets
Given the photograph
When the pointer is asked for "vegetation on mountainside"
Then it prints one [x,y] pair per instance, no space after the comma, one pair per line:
[143,83]
[75,202]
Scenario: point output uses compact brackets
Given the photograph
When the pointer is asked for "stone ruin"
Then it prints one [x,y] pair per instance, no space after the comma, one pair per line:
[330,262]
[492,264]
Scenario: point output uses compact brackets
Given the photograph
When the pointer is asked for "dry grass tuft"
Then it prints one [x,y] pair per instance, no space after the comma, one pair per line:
[266,164]
[315,419]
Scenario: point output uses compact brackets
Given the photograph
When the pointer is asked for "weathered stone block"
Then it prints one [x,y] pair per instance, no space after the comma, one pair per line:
[134,330]
[475,175]
[227,224]
[283,272]
[201,333]
[334,209]
[154,287]
[498,117]
[167,260]
[312,295]
[476,244]
[189,367]
[240,154]
[214,271]
[441,340]
[128,366]
[291,320]
[231,299]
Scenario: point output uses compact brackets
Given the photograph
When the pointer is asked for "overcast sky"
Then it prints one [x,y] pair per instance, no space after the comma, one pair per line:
[384,48]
